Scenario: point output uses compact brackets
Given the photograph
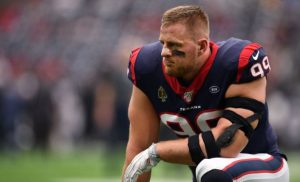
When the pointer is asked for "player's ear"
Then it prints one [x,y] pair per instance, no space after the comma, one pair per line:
[203,45]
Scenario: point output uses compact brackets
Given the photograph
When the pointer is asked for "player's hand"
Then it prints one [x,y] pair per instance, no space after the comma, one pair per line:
[141,163]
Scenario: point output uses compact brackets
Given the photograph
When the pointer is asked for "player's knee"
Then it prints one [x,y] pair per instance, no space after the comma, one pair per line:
[204,166]
[215,175]
[207,171]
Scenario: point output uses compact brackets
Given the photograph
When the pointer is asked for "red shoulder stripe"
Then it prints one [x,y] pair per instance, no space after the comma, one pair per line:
[132,59]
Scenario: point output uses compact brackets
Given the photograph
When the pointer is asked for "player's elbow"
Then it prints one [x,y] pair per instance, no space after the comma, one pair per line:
[239,143]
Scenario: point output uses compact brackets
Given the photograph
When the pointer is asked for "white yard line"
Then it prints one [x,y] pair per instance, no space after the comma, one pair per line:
[114,180]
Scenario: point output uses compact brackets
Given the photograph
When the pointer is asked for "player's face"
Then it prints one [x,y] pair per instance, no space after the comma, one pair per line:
[179,52]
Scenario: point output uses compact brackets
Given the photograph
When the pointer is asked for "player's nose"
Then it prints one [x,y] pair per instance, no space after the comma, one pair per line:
[166,52]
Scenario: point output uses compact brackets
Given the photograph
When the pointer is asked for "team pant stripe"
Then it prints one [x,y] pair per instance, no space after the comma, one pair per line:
[244,167]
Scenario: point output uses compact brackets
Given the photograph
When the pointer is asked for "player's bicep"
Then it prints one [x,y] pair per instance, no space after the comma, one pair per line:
[144,122]
[255,90]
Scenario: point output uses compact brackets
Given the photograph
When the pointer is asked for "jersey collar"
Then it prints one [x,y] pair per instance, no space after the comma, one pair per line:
[187,93]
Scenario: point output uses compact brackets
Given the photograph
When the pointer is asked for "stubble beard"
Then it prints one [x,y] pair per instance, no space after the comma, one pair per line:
[175,72]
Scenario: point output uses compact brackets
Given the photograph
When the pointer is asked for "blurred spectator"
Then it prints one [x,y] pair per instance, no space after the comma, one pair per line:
[68,116]
[104,109]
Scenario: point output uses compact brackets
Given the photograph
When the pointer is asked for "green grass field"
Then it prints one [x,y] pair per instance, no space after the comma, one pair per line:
[91,166]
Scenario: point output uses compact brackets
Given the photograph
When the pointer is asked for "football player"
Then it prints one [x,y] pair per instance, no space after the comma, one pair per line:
[212,95]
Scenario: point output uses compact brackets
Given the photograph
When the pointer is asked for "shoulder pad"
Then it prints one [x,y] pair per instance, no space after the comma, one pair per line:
[247,60]
[144,61]
[229,52]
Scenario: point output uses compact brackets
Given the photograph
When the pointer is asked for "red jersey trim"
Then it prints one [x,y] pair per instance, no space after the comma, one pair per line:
[244,58]
[132,59]
[198,81]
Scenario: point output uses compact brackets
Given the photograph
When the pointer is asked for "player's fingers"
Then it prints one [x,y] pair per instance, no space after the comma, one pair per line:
[129,173]
[133,167]
[139,161]
[134,177]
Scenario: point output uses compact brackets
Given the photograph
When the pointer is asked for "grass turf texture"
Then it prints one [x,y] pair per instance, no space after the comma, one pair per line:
[90,166]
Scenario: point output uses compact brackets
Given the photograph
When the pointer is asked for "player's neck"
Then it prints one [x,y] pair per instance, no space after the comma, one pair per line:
[202,60]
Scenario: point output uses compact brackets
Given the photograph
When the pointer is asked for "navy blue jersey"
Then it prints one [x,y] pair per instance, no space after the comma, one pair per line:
[196,108]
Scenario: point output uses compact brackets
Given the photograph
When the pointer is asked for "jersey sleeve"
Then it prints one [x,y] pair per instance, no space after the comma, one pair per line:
[143,65]
[253,63]
[131,74]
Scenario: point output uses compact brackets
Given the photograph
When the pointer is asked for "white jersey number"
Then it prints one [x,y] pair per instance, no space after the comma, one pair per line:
[182,126]
[258,68]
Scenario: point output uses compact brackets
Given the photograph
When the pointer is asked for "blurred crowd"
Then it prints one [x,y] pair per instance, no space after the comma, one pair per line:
[63,65]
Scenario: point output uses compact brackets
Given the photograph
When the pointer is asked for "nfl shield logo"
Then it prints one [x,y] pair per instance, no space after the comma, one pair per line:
[187,96]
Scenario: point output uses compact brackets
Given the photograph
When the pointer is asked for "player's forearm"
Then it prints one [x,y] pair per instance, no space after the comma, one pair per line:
[174,151]
[177,151]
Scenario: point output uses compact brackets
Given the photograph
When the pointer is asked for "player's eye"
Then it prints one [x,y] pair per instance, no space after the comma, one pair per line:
[178,53]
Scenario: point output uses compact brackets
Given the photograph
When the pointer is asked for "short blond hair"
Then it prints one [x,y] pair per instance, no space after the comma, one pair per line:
[192,16]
